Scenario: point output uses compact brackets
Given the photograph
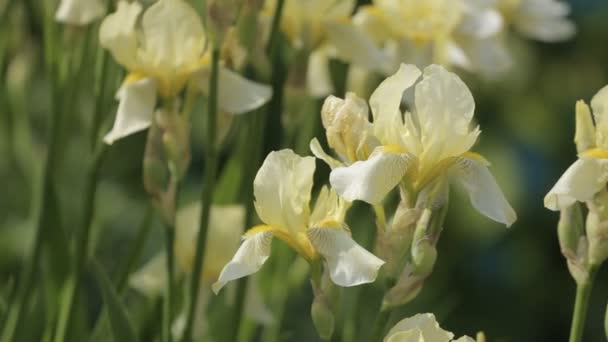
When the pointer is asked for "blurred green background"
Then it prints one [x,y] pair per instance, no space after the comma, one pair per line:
[511,283]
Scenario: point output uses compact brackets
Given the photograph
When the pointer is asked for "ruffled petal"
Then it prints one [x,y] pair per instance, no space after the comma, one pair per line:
[484,193]
[238,95]
[348,263]
[427,324]
[386,100]
[370,180]
[118,33]
[580,182]
[317,151]
[249,258]
[135,110]
[282,190]
[79,12]
[173,37]
[354,45]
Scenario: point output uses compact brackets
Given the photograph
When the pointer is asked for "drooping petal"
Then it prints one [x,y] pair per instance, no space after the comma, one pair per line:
[79,12]
[173,37]
[349,264]
[151,279]
[427,324]
[386,99]
[282,190]
[580,182]
[135,110]
[118,33]
[354,45]
[413,335]
[318,77]
[238,95]
[484,193]
[444,108]
[317,151]
[370,180]
[249,258]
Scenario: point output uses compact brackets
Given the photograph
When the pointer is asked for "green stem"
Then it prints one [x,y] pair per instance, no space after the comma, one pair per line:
[206,194]
[380,323]
[15,315]
[583,293]
[66,311]
[170,288]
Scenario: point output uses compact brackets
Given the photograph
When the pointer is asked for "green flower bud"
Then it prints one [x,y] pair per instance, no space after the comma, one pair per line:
[322,316]
[585,130]
[176,142]
[597,228]
[570,229]
[408,287]
[424,255]
[221,15]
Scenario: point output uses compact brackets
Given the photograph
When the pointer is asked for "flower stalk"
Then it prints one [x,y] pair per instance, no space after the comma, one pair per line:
[583,293]
[206,193]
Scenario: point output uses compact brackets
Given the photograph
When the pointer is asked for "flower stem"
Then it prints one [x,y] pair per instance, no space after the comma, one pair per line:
[206,193]
[170,288]
[583,293]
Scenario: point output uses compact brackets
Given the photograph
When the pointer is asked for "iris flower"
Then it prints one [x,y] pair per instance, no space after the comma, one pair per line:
[429,142]
[282,195]
[421,328]
[163,49]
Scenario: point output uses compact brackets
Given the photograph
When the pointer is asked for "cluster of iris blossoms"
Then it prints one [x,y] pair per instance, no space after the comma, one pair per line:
[417,143]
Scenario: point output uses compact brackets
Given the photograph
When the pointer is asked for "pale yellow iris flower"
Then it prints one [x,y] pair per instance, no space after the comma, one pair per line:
[461,33]
[589,174]
[282,194]
[164,48]
[429,142]
[79,12]
[544,20]
[421,328]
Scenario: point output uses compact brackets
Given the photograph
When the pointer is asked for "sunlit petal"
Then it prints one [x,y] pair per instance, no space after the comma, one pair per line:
[413,335]
[118,34]
[317,151]
[580,182]
[484,193]
[238,95]
[135,110]
[425,323]
[79,12]
[249,258]
[348,263]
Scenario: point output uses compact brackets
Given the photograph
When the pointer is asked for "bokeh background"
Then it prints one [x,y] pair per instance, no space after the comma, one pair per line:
[511,283]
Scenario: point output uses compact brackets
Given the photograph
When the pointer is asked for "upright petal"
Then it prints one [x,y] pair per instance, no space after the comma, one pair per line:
[427,324]
[173,37]
[349,264]
[238,95]
[79,12]
[118,33]
[580,182]
[135,110]
[282,190]
[599,104]
[370,180]
[249,258]
[386,100]
[444,107]
[484,193]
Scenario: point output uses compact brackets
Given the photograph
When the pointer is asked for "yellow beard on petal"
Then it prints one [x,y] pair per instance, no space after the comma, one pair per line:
[598,153]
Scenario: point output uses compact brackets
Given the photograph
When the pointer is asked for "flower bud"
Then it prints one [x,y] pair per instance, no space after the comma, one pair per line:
[347,127]
[322,316]
[394,245]
[406,289]
[585,131]
[597,228]
[570,230]
[481,337]
[176,142]
[221,15]
[424,255]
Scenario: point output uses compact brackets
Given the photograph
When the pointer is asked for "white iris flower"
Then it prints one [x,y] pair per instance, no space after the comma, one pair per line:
[164,48]
[282,194]
[417,147]
[589,174]
[79,12]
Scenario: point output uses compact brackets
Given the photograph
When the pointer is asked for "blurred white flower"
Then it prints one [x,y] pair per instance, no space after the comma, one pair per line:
[429,142]
[463,33]
[589,174]
[79,12]
[163,49]
[544,20]
[421,328]
[282,194]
